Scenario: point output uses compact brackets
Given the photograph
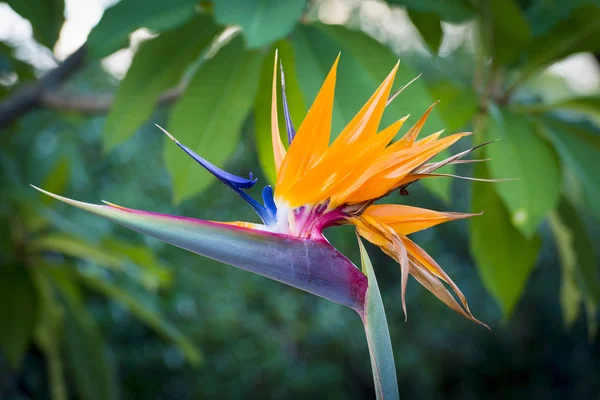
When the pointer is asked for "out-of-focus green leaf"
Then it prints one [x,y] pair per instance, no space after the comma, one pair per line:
[110,254]
[120,20]
[363,66]
[523,155]
[49,335]
[578,147]
[263,21]
[586,274]
[148,316]
[570,295]
[448,10]
[457,104]
[504,257]
[510,30]
[430,28]
[57,179]
[578,33]
[378,335]
[86,352]
[74,247]
[262,105]
[154,273]
[46,17]
[158,65]
[543,15]
[586,105]
[19,302]
[271,255]
[210,114]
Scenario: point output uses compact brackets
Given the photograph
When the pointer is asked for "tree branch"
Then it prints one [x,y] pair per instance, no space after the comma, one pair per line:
[94,103]
[30,96]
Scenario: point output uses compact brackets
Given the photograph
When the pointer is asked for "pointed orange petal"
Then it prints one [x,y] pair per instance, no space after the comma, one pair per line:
[405,220]
[312,138]
[387,171]
[278,149]
[409,138]
[365,122]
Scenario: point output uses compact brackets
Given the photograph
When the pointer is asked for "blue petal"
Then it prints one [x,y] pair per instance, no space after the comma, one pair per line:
[233,181]
[289,126]
[224,176]
[267,195]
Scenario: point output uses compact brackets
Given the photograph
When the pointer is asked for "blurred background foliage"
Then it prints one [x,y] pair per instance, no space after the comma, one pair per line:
[90,311]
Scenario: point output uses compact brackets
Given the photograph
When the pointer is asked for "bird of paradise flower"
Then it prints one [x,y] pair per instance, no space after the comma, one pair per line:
[321,185]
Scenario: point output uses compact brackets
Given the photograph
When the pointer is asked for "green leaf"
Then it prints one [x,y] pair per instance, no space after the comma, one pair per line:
[154,320]
[523,155]
[378,334]
[457,104]
[279,257]
[510,31]
[586,272]
[262,105]
[19,302]
[448,10]
[152,272]
[430,28]
[49,335]
[210,114]
[86,351]
[263,21]
[578,147]
[363,66]
[158,65]
[119,21]
[586,105]
[504,257]
[46,18]
[575,34]
[111,254]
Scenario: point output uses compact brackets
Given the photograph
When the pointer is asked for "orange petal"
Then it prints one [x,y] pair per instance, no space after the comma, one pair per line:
[312,138]
[409,138]
[278,149]
[405,220]
[387,172]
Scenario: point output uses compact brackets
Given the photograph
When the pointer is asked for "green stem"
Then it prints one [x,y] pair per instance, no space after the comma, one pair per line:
[378,336]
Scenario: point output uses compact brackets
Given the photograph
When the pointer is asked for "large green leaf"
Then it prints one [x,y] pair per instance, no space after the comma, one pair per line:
[363,66]
[504,257]
[510,30]
[378,335]
[86,351]
[523,155]
[263,21]
[158,65]
[120,20]
[448,10]
[19,304]
[145,314]
[210,114]
[46,17]
[458,104]
[310,265]
[578,33]
[430,28]
[262,105]
[579,147]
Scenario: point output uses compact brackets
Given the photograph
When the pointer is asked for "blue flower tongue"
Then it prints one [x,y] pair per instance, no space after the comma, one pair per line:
[236,183]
